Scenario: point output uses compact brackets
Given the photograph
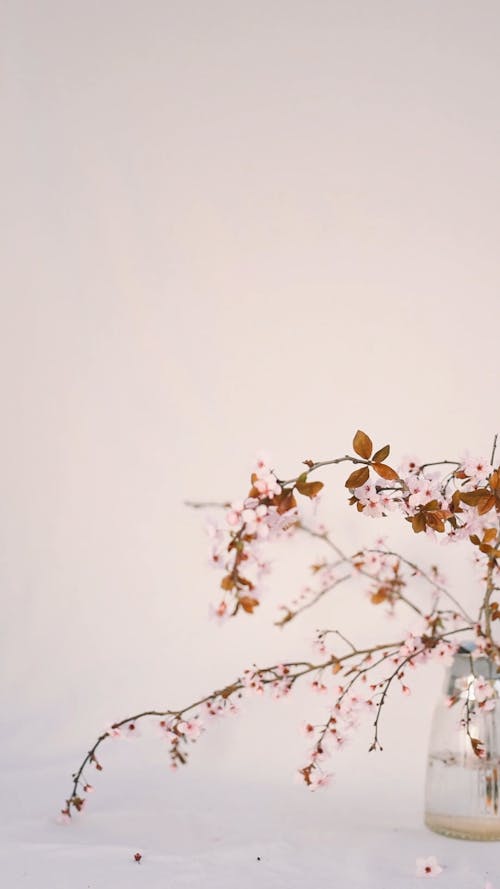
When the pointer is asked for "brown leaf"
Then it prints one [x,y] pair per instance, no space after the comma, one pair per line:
[245,581]
[362,444]
[227,582]
[306,773]
[494,480]
[473,498]
[385,471]
[418,522]
[477,746]
[317,566]
[309,489]
[487,503]
[485,548]
[489,535]
[379,596]
[248,603]
[358,477]
[285,501]
[435,521]
[432,504]
[382,454]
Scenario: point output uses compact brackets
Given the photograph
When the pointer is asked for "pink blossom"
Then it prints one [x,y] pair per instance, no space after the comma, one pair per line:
[255,521]
[481,645]
[477,469]
[318,645]
[388,501]
[319,780]
[220,613]
[214,709]
[374,508]
[319,687]
[191,729]
[233,515]
[280,688]
[428,867]
[488,706]
[373,561]
[411,645]
[308,729]
[262,462]
[365,492]
[368,496]
[267,485]
[113,731]
[253,681]
[409,466]
[281,523]
[423,489]
[482,690]
[444,651]
[338,740]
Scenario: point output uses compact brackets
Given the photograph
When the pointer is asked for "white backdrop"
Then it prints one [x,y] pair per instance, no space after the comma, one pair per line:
[227,226]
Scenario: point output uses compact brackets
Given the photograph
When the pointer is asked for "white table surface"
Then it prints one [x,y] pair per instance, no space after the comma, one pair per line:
[195,831]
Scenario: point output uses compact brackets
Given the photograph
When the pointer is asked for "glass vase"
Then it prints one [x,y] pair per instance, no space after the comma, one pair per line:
[463,768]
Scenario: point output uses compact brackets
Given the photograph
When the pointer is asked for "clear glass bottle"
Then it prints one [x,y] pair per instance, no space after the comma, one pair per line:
[462,788]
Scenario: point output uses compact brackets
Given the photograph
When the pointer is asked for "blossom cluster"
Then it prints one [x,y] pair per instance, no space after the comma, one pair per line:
[267,514]
[449,500]
[362,694]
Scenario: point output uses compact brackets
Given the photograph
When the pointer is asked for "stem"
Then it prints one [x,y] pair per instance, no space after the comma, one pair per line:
[490,587]
[290,615]
[494,448]
[440,463]
[320,463]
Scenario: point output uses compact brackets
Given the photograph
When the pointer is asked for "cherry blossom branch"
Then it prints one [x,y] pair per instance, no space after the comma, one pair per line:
[292,614]
[421,573]
[411,652]
[462,504]
[76,802]
[172,721]
[343,558]
[324,536]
